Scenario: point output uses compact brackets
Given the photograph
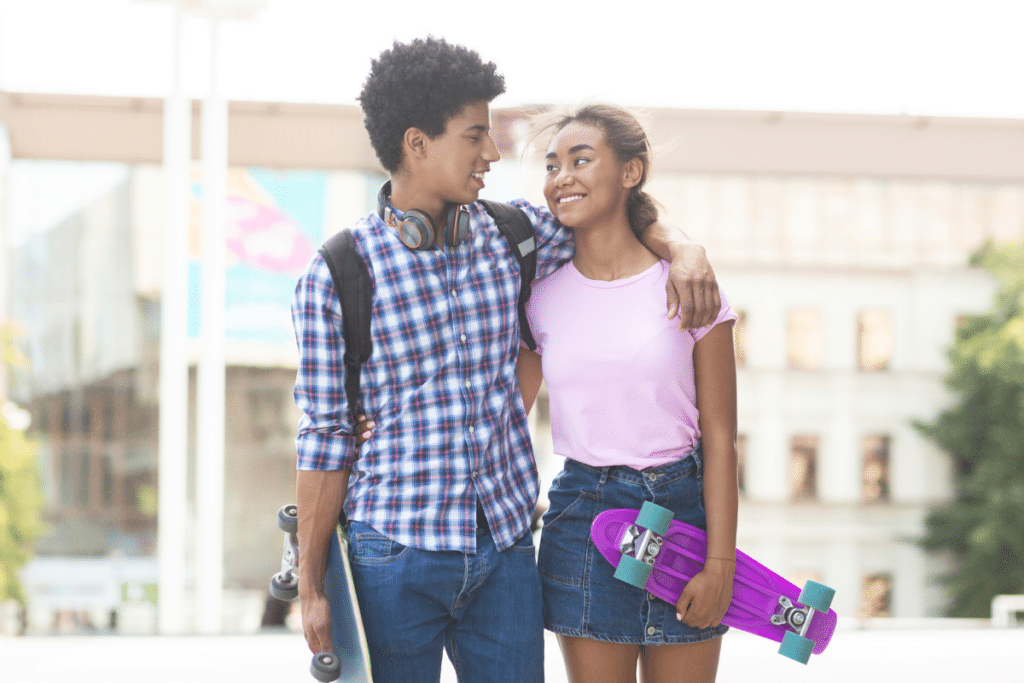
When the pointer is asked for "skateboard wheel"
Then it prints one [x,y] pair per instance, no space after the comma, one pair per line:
[796,647]
[325,667]
[633,571]
[816,596]
[284,588]
[288,519]
[654,517]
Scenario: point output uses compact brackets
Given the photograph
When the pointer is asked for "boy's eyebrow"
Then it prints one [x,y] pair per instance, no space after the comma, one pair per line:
[478,128]
[572,150]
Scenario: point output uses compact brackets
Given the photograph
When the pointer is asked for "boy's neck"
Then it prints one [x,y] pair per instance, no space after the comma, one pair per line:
[407,195]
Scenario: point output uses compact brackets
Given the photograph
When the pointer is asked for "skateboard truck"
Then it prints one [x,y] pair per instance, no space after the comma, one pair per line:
[797,618]
[644,546]
[795,644]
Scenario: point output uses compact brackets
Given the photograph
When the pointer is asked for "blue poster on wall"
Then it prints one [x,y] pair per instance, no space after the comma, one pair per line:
[274,224]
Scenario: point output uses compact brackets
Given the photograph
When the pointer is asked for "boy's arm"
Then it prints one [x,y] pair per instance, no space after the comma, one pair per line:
[319,496]
[528,370]
[692,288]
[326,446]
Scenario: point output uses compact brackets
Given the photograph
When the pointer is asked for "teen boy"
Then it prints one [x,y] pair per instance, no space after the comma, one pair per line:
[439,501]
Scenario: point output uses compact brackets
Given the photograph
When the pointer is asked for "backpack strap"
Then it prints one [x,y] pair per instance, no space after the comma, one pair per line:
[515,225]
[354,287]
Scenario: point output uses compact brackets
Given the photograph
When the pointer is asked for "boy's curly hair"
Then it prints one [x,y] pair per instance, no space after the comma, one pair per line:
[421,84]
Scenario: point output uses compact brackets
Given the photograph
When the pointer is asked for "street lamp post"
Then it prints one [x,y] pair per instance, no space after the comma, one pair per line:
[211,373]
[210,432]
[172,492]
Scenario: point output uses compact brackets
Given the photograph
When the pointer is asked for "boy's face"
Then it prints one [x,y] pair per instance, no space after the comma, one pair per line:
[457,160]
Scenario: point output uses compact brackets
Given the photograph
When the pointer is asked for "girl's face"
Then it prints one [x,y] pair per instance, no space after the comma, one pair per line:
[585,183]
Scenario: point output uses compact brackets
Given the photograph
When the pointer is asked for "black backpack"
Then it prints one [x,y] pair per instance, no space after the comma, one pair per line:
[354,287]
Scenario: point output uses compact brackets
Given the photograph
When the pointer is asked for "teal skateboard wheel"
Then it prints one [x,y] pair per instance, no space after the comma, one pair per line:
[654,517]
[796,647]
[633,571]
[816,596]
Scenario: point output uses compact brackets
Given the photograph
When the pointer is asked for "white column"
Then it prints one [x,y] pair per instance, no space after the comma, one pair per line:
[211,371]
[172,445]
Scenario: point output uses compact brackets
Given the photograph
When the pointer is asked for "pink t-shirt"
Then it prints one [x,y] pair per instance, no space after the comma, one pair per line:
[619,372]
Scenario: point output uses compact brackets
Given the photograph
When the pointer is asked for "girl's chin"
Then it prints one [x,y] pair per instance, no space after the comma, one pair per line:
[566,218]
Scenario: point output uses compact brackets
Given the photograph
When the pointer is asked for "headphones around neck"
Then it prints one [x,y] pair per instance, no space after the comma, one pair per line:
[416,228]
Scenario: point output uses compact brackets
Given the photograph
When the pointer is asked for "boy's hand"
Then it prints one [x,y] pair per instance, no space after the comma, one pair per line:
[316,623]
[707,596]
[364,429]
[692,288]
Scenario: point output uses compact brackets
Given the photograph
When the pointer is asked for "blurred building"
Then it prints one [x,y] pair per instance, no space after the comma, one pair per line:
[841,240]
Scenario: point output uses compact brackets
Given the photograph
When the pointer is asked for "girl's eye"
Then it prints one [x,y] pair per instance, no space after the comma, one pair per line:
[581,160]
[550,168]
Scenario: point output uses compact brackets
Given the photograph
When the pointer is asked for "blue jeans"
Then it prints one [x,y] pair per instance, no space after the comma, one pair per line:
[483,609]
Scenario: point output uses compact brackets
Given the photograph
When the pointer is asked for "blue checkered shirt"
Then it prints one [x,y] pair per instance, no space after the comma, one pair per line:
[440,384]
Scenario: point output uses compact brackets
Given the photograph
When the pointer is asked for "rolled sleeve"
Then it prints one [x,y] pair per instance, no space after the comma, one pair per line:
[325,436]
[725,314]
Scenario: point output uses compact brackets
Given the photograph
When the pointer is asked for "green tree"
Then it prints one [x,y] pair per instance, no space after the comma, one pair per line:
[21,495]
[983,527]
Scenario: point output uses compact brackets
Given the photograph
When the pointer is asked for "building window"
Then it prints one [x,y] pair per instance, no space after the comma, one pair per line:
[67,476]
[739,338]
[876,596]
[85,421]
[84,477]
[804,339]
[803,466]
[741,459]
[875,448]
[108,417]
[42,419]
[874,340]
[108,480]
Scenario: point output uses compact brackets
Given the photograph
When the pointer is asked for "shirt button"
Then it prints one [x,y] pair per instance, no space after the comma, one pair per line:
[651,630]
[463,337]
[468,383]
[471,430]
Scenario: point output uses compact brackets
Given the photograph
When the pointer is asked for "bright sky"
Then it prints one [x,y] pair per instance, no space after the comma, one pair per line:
[879,56]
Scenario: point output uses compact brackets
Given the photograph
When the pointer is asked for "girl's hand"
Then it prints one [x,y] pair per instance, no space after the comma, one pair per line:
[364,429]
[707,596]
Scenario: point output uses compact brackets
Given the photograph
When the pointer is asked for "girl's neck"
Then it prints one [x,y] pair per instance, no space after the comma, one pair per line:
[610,251]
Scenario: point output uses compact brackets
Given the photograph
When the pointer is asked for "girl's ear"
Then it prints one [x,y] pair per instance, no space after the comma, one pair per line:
[632,172]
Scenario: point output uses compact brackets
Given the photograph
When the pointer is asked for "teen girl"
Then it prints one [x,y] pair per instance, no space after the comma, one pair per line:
[640,409]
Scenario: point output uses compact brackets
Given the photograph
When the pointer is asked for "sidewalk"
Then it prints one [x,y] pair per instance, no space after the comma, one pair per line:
[924,652]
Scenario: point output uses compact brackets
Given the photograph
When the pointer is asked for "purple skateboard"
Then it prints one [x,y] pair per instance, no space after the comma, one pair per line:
[652,551]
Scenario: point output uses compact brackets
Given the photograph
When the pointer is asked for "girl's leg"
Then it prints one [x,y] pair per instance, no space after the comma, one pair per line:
[595,661]
[683,663]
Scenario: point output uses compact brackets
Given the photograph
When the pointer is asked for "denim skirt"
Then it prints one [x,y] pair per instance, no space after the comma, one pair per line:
[582,597]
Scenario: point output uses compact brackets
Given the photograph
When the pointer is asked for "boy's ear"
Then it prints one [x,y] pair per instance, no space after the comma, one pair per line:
[632,171]
[414,143]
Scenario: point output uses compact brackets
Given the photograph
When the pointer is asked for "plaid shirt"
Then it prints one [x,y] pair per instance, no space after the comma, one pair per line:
[440,385]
